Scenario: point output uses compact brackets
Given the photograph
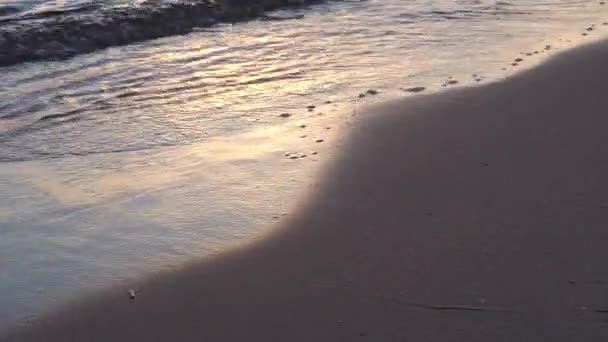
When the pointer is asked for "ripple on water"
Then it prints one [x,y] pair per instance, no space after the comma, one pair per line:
[212,82]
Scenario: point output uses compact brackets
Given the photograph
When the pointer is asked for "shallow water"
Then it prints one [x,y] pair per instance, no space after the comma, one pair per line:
[135,158]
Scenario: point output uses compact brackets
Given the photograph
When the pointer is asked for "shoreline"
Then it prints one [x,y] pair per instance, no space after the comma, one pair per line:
[472,214]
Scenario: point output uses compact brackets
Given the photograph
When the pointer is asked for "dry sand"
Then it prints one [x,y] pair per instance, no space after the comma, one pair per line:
[477,214]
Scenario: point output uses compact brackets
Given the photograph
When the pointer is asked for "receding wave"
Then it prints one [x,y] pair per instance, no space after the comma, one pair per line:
[60,35]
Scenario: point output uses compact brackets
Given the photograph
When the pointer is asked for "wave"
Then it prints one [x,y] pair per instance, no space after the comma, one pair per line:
[8,10]
[56,36]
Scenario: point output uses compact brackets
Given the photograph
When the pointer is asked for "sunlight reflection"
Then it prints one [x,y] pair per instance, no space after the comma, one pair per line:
[237,157]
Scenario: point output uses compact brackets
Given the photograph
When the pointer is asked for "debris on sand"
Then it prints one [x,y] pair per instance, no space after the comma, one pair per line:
[414,89]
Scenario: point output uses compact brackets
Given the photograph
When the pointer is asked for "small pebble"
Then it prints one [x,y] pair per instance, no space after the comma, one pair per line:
[285,115]
[519,60]
[372,92]
[302,126]
[451,82]
[311,107]
[415,89]
[132,294]
[315,153]
[319,140]
[514,64]
[361,95]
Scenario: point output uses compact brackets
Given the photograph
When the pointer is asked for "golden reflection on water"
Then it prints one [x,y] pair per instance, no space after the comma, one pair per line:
[222,159]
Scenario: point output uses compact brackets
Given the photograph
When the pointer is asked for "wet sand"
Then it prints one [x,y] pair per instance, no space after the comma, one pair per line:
[476,214]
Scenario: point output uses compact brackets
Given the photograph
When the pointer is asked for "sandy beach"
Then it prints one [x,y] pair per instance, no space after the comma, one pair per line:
[475,214]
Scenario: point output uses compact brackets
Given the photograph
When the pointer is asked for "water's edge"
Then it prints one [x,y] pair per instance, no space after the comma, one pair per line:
[136,158]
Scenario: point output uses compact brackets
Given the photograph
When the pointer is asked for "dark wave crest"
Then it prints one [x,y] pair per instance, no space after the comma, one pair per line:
[52,36]
[6,10]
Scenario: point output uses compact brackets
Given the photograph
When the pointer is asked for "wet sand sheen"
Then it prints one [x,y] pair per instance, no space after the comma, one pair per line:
[475,214]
